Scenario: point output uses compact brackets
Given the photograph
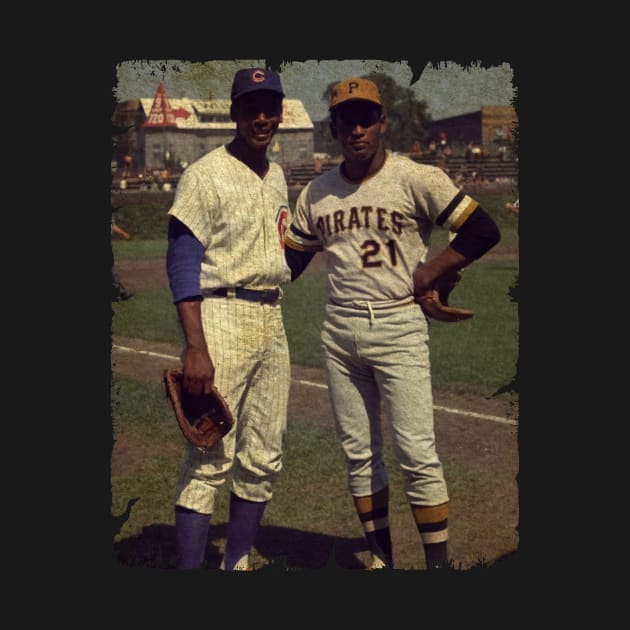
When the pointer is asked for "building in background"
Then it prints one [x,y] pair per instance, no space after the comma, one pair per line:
[170,133]
[491,127]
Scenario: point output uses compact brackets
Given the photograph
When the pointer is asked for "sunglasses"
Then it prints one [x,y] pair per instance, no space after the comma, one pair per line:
[362,117]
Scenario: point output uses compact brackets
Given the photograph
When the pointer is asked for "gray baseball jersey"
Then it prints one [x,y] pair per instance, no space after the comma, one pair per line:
[376,232]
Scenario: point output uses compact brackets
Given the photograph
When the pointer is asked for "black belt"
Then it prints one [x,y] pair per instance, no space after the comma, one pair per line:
[266,296]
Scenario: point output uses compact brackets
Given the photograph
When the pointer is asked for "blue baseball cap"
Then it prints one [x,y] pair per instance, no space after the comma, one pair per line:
[253,79]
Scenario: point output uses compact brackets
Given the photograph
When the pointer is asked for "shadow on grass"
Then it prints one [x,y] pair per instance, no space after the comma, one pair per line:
[281,547]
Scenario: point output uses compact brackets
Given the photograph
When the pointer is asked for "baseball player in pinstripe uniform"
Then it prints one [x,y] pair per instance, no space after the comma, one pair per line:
[225,264]
[373,214]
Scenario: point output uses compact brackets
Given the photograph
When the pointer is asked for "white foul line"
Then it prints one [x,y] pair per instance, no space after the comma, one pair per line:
[473,414]
[151,354]
[460,412]
[309,383]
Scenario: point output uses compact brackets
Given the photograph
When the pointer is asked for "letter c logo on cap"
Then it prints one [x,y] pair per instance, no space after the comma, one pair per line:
[258,76]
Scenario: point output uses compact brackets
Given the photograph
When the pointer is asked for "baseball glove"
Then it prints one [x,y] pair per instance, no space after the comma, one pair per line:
[434,302]
[203,420]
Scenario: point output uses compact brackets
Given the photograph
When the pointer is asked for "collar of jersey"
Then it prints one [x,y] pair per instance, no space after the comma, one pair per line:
[363,179]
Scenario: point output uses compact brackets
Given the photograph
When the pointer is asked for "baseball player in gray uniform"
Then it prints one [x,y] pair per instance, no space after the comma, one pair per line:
[225,264]
[373,215]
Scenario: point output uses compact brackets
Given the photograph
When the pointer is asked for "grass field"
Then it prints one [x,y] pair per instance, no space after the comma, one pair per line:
[489,341]
[311,513]
[145,217]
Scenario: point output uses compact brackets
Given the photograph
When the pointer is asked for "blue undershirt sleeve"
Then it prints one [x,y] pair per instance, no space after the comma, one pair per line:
[183,262]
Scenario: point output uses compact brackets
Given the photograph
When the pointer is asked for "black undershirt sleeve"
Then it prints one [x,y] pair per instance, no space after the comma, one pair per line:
[477,235]
[297,261]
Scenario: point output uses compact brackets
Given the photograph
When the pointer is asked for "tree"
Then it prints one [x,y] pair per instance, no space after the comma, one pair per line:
[323,142]
[407,117]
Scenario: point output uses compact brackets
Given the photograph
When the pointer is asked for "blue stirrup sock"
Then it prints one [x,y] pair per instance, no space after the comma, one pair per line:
[191,537]
[245,517]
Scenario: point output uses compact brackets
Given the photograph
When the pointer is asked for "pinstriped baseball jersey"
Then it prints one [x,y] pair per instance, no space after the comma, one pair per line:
[376,231]
[238,217]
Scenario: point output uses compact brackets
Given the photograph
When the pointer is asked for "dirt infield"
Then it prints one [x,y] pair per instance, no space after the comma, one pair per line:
[475,434]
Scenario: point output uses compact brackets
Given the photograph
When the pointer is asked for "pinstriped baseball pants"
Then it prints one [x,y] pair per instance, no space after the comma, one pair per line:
[375,356]
[248,346]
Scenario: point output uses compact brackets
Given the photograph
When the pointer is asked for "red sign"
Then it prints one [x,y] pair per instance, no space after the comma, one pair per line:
[180,112]
[161,114]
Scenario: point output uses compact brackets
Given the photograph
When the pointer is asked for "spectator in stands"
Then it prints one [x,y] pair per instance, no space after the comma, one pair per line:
[127,165]
[460,176]
[468,155]
[442,141]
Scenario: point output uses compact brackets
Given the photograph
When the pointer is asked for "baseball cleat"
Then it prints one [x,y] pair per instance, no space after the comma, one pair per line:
[241,565]
[377,563]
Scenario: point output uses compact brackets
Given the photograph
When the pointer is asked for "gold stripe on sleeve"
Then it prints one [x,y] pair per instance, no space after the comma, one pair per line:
[460,217]
[300,247]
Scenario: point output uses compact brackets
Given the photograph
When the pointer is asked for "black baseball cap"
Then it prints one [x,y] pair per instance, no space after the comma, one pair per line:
[253,79]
